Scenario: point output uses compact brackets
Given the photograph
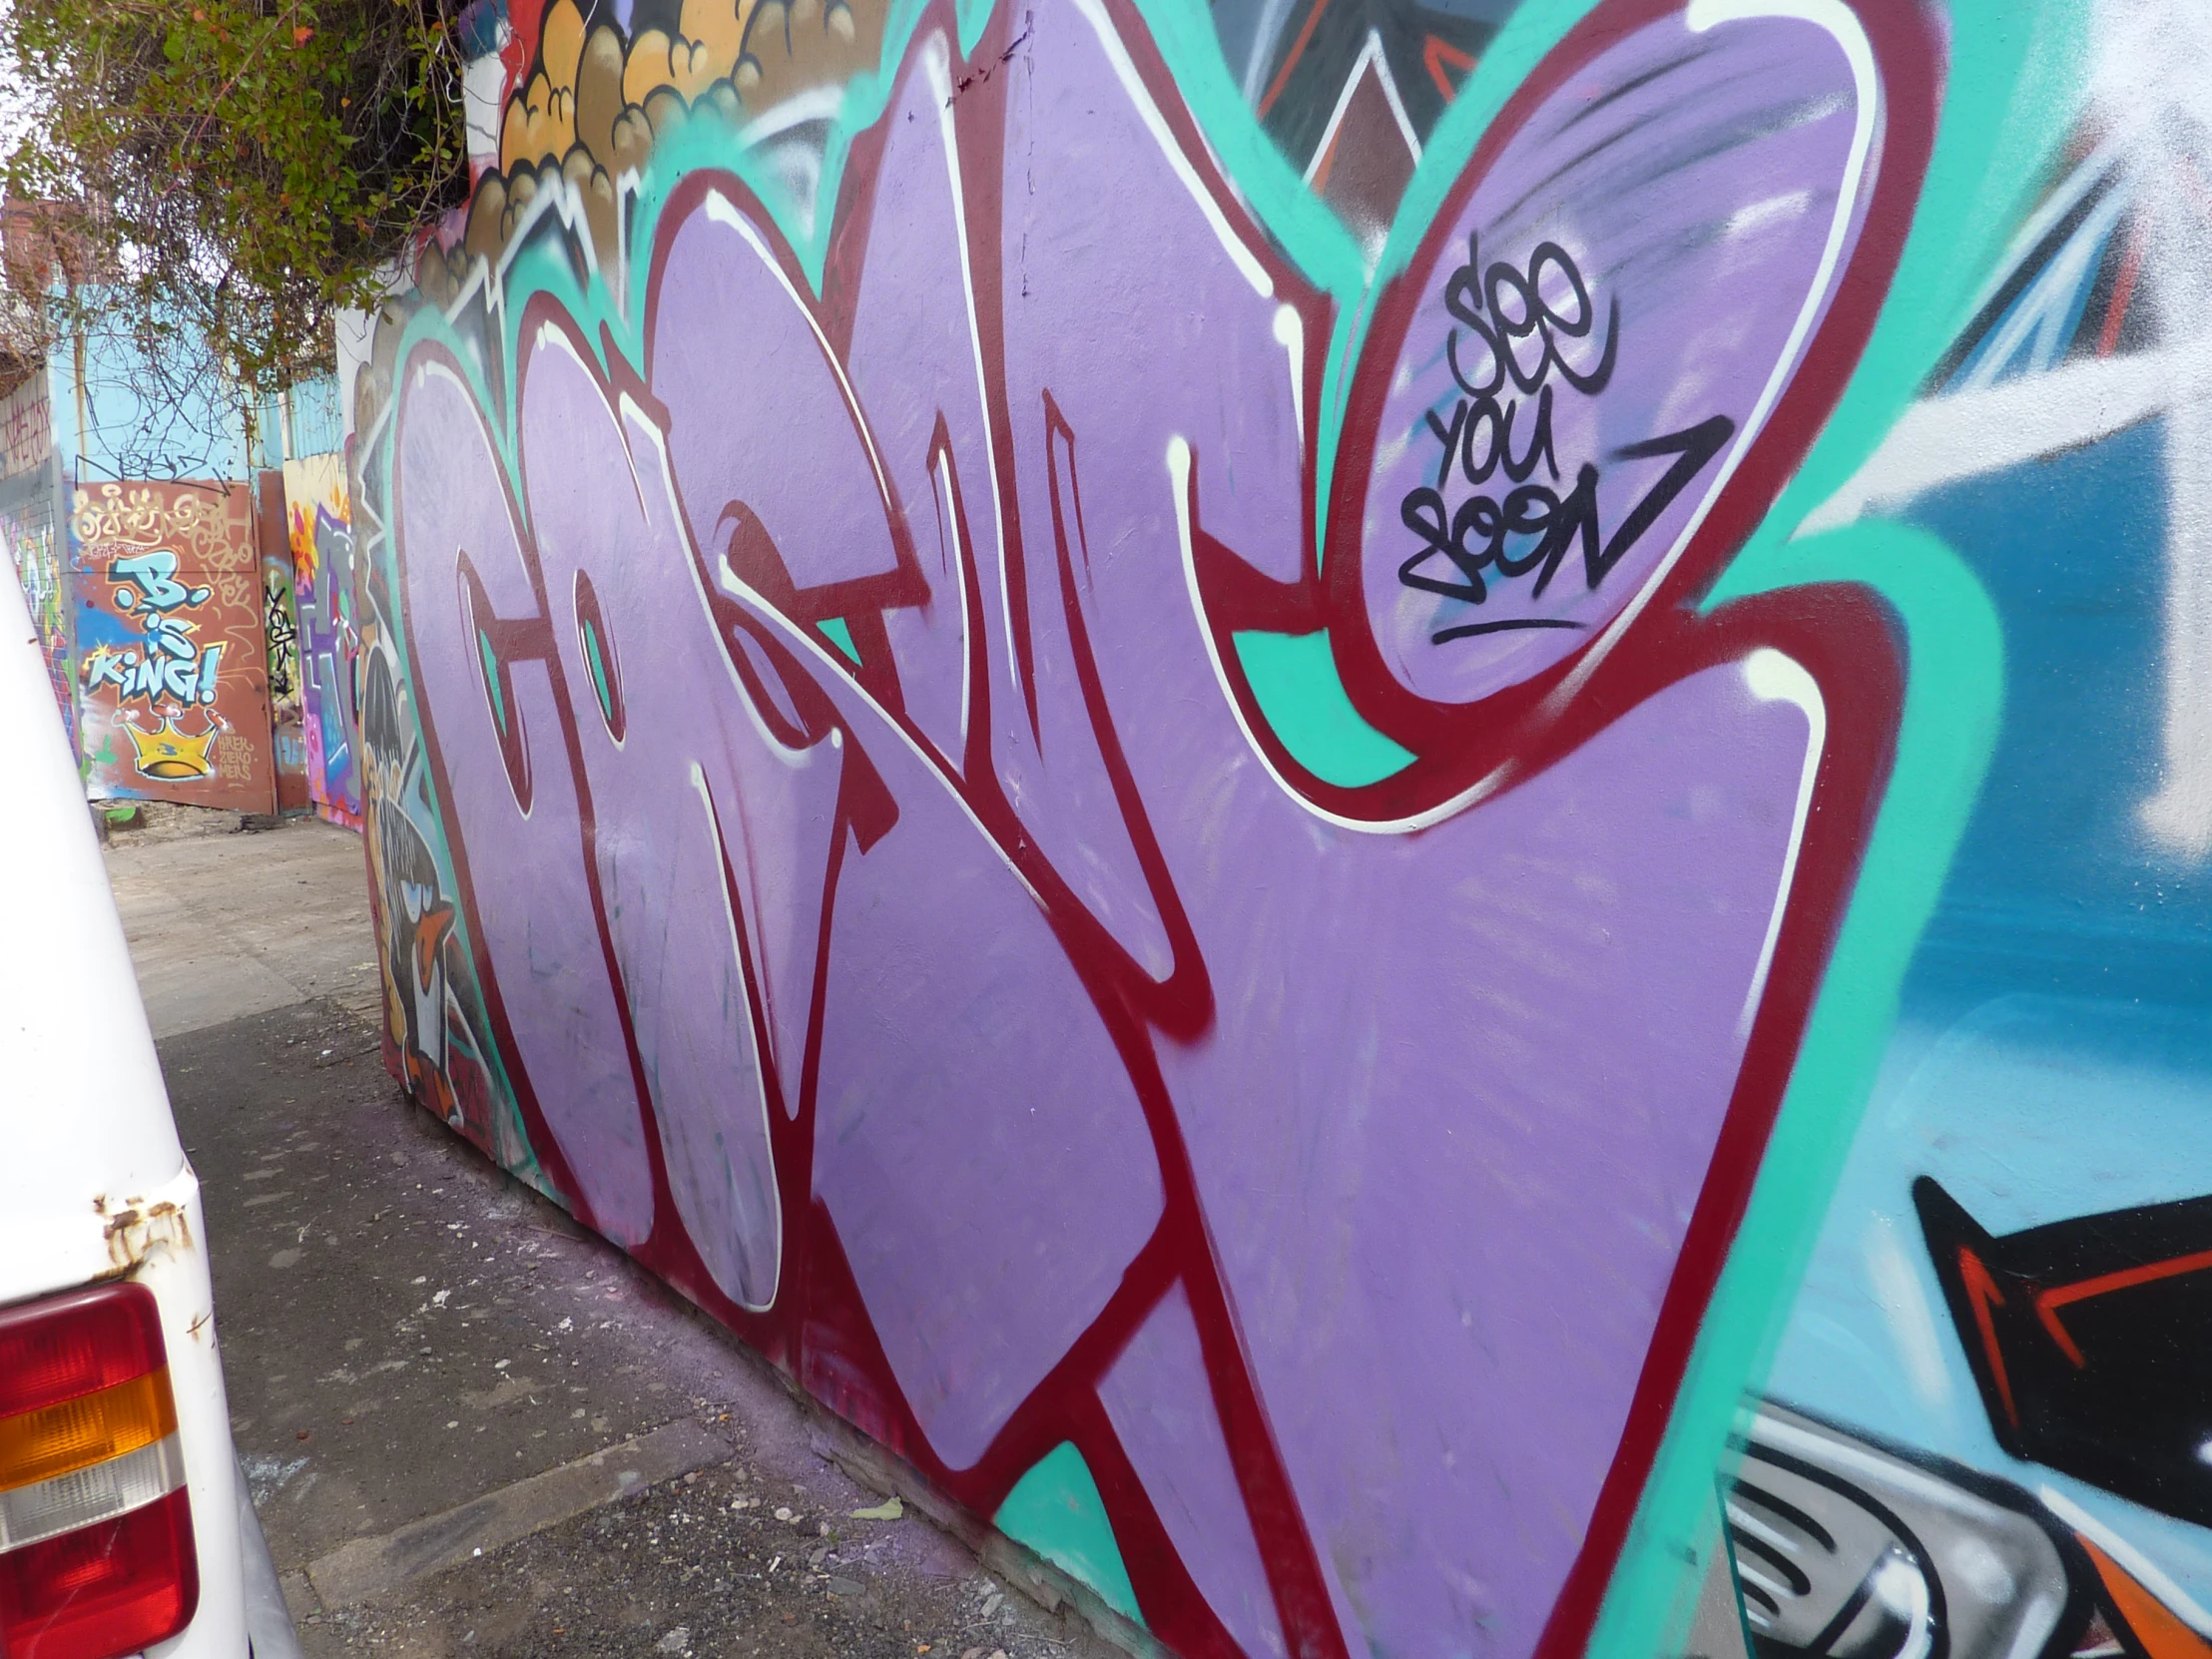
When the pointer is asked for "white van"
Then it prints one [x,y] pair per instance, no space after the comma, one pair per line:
[124,1525]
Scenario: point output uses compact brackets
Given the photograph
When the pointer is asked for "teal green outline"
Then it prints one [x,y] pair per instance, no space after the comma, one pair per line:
[1952,706]
[1997,135]
[598,670]
[491,680]
[1055,1510]
[1294,679]
[2005,117]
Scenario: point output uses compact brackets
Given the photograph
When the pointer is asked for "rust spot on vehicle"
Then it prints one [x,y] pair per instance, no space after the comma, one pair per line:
[199,1323]
[138,1229]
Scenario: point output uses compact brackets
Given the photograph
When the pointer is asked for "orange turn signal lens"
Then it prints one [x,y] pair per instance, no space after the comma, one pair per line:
[92,1428]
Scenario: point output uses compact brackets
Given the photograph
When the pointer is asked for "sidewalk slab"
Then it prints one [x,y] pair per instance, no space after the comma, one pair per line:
[370,1568]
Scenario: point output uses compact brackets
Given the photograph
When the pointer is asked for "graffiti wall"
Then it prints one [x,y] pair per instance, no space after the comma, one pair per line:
[318,511]
[172,656]
[1397,813]
[30,492]
[280,631]
[25,427]
[27,529]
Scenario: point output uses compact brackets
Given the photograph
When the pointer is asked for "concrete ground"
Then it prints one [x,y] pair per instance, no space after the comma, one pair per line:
[470,1428]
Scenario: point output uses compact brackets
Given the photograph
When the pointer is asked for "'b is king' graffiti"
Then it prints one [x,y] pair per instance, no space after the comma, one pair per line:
[170,662]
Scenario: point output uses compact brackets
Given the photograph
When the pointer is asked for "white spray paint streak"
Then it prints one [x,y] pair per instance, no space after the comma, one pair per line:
[1967,434]
[753,1049]
[1290,333]
[2155,57]
[1179,484]
[1903,1303]
[936,67]
[1775,678]
[720,210]
[1239,253]
[1369,58]
[942,481]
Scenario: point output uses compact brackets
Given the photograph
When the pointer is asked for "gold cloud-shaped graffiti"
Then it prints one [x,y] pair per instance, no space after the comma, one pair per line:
[541,118]
[595,102]
[705,49]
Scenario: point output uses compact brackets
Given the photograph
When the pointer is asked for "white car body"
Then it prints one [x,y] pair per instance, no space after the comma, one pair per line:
[95,1186]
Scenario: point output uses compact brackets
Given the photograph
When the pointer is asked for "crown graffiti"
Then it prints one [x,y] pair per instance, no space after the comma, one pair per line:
[171,754]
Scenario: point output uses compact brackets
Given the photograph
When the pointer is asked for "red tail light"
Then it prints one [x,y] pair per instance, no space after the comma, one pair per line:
[102,1590]
[95,1550]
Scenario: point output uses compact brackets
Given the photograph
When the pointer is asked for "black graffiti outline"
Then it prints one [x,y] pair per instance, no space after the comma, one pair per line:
[1473,537]
[1465,298]
[284,636]
[1536,509]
